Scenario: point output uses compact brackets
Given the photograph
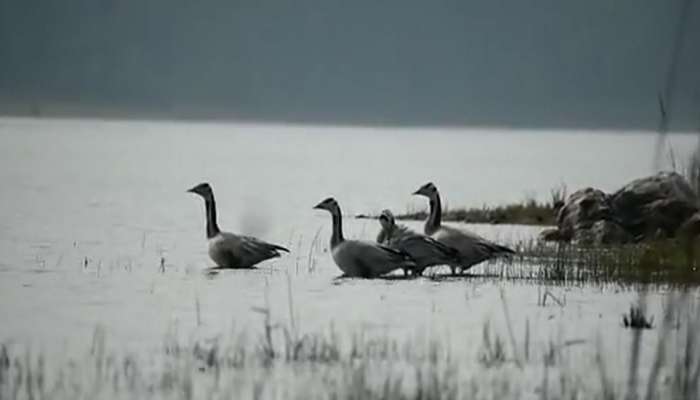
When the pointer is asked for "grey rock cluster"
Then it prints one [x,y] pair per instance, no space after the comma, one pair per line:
[648,208]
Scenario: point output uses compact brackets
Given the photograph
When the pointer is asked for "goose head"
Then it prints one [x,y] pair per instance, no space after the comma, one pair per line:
[386,219]
[203,189]
[329,204]
[428,190]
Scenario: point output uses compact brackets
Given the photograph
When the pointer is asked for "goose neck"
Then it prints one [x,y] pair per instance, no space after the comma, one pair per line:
[337,236]
[435,217]
[212,226]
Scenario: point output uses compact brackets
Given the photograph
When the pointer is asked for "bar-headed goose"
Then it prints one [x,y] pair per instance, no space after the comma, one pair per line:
[472,248]
[426,251]
[229,250]
[359,258]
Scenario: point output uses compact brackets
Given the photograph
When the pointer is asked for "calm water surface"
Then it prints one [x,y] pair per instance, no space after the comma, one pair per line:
[88,209]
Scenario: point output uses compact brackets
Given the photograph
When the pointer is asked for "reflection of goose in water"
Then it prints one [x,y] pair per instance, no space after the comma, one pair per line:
[472,248]
[426,251]
[229,250]
[360,258]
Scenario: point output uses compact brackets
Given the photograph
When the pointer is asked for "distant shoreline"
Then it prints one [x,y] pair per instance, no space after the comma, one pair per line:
[528,212]
[224,117]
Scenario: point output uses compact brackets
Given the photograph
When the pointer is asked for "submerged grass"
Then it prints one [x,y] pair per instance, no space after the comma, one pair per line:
[660,262]
[332,365]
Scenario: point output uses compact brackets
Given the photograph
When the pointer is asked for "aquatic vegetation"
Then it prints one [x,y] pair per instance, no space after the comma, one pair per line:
[660,262]
[493,349]
[637,320]
[328,364]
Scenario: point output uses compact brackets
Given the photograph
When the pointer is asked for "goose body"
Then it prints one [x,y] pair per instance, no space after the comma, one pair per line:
[473,249]
[357,258]
[423,249]
[229,250]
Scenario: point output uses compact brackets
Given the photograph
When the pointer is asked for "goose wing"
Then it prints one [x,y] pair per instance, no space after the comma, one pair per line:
[496,249]
[425,250]
[255,250]
[237,251]
[472,248]
[366,259]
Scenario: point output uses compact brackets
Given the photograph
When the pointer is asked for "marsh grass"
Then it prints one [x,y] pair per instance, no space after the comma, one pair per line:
[328,364]
[527,212]
[659,262]
[636,319]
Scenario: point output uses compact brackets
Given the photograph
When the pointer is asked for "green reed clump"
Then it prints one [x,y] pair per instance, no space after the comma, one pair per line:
[659,262]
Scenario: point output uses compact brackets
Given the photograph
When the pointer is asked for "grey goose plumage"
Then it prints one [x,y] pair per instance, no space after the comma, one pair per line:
[424,250]
[357,258]
[229,250]
[472,248]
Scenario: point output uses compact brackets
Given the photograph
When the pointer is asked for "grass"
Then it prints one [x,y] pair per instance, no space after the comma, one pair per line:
[661,262]
[281,361]
[636,319]
[528,212]
[356,365]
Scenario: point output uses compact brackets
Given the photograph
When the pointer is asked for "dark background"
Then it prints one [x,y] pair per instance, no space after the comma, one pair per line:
[534,64]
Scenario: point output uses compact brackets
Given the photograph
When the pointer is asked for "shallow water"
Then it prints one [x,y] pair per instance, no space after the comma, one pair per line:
[89,209]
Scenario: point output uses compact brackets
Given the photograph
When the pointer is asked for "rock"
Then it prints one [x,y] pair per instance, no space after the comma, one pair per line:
[603,232]
[654,206]
[581,211]
[551,235]
[650,208]
[688,234]
[690,228]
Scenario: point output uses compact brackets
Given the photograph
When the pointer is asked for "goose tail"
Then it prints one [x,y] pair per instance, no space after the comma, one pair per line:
[279,248]
[498,250]
[503,249]
[406,258]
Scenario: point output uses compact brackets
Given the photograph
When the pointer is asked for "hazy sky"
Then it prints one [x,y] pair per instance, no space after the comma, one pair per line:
[538,63]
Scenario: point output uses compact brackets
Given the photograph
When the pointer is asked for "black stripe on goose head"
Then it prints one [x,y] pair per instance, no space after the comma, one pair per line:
[386,219]
[203,189]
[329,204]
[428,190]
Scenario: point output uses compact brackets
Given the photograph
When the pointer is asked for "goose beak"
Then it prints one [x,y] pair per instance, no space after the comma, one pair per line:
[318,206]
[416,193]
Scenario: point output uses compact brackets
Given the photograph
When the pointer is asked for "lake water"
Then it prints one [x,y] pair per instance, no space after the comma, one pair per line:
[89,208]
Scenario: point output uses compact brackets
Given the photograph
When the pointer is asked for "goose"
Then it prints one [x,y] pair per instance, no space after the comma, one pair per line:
[472,248]
[229,250]
[426,251]
[358,258]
